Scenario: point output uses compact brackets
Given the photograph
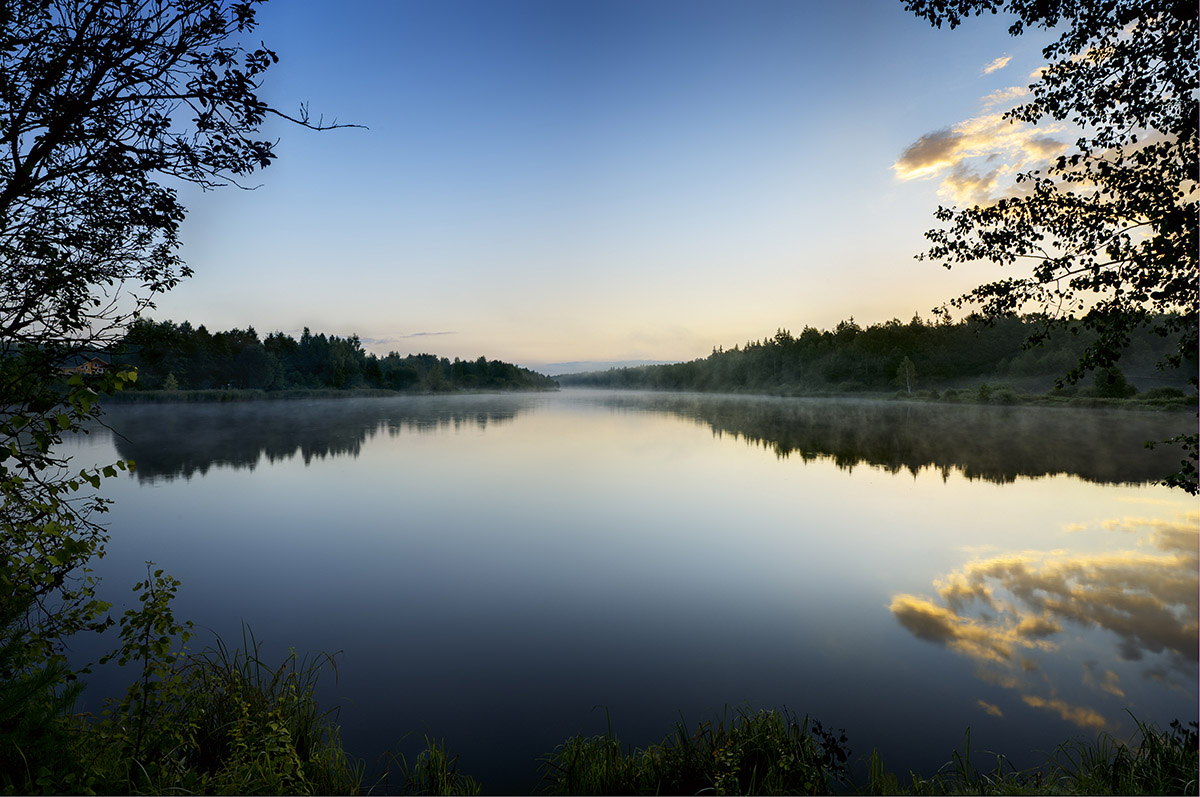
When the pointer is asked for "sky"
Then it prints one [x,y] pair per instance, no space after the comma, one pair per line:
[546,181]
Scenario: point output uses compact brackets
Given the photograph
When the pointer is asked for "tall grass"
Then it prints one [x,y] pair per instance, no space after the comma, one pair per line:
[220,721]
[764,752]
[433,771]
[257,728]
[1153,761]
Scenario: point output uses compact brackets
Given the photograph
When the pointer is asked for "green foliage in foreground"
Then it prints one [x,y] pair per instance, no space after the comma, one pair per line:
[772,752]
[214,722]
[1154,762]
[433,772]
[765,752]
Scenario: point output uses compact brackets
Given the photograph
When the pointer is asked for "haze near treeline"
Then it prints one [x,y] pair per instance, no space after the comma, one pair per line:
[608,181]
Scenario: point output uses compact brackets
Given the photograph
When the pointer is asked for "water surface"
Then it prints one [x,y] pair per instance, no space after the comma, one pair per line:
[500,571]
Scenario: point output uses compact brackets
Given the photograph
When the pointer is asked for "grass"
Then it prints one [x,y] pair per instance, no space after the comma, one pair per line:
[1154,761]
[257,728]
[220,721]
[773,752]
[432,772]
[764,752]
[232,724]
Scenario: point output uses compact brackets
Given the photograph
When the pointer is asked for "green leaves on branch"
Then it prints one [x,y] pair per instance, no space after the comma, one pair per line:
[1106,238]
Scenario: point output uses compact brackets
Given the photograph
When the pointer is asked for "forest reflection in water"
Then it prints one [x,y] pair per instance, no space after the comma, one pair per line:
[996,444]
[495,566]
[169,441]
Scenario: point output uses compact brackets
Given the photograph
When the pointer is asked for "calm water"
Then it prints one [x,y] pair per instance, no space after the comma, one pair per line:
[499,570]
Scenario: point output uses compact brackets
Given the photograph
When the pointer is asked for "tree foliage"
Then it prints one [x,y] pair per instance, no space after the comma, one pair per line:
[106,108]
[1109,231]
[851,358]
[171,356]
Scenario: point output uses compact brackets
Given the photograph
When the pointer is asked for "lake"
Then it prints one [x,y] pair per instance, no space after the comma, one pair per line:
[505,571]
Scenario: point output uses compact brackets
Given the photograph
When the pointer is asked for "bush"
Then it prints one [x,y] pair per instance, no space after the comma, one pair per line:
[1110,383]
[1163,393]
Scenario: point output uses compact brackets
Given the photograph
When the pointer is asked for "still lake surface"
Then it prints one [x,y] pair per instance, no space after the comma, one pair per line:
[504,571]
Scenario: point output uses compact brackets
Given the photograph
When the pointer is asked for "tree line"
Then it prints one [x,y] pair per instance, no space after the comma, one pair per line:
[170,356]
[908,357]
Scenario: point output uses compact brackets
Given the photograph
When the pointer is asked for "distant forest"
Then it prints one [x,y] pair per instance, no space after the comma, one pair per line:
[172,356]
[913,358]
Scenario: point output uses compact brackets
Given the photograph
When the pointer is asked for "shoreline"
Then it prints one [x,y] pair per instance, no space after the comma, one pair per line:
[996,395]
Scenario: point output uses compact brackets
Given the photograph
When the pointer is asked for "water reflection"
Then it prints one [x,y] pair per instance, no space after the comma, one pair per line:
[170,441]
[996,444]
[1002,611]
[993,443]
[541,555]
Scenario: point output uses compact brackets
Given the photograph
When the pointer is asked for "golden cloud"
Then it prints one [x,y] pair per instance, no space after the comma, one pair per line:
[1002,96]
[979,158]
[997,64]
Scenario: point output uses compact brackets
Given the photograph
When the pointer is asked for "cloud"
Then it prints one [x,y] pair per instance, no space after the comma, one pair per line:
[979,158]
[426,334]
[1001,96]
[929,154]
[997,64]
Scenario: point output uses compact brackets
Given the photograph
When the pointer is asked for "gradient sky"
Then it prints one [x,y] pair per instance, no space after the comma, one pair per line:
[556,180]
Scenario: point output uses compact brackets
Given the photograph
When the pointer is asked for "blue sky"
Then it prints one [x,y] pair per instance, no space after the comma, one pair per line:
[545,181]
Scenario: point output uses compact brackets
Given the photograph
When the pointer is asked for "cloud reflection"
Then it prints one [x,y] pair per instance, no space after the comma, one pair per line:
[1003,610]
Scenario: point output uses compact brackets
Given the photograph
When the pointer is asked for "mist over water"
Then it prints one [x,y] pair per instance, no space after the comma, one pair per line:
[493,568]
[981,442]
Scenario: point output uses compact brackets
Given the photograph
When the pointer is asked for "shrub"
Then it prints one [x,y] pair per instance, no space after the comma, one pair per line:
[1163,393]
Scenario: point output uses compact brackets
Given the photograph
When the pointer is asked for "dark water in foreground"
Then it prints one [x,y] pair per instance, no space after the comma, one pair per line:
[499,570]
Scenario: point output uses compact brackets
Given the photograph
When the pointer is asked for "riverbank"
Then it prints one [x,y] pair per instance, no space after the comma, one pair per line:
[1162,399]
[226,722]
[1157,399]
[216,396]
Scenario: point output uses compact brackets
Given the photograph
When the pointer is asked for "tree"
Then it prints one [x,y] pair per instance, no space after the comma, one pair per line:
[1109,231]
[105,108]
[906,374]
